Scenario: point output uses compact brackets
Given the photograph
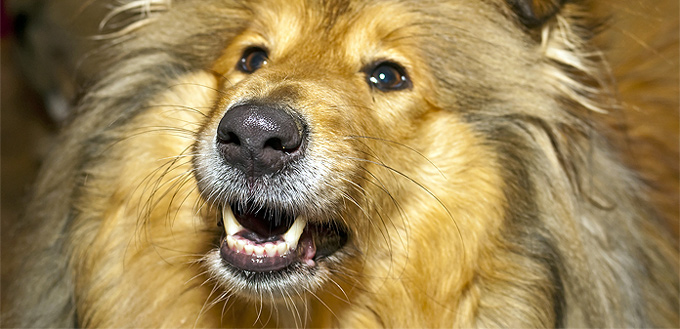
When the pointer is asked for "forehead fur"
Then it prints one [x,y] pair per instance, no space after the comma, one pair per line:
[469,46]
[351,32]
[460,55]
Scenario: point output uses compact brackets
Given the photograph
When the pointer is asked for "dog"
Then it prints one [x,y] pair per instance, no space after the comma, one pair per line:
[342,163]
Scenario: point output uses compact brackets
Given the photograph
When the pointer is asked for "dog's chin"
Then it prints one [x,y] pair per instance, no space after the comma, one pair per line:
[265,252]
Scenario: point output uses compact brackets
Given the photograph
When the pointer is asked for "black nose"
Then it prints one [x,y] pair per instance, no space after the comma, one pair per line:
[259,139]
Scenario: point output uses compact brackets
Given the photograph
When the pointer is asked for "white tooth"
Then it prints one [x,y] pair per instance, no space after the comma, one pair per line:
[282,248]
[240,244]
[231,226]
[259,251]
[248,249]
[293,235]
[270,249]
[230,241]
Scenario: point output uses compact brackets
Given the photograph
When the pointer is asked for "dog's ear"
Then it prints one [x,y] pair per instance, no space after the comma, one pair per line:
[533,13]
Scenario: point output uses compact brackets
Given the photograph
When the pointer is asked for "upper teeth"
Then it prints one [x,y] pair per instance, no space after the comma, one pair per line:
[291,237]
[231,226]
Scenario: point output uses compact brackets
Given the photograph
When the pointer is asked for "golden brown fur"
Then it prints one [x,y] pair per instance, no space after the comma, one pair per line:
[486,194]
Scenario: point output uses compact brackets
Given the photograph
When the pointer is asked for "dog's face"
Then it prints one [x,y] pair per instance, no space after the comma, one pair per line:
[332,152]
[345,163]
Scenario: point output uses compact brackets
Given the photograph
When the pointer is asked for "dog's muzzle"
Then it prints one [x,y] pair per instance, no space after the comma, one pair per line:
[263,143]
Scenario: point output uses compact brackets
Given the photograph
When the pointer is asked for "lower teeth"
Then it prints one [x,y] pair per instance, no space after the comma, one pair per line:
[247,247]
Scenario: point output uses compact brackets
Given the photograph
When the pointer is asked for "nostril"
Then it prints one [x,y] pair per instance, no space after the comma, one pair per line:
[275,143]
[232,138]
[226,135]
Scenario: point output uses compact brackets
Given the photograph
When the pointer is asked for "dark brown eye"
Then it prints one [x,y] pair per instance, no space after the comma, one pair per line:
[388,76]
[252,59]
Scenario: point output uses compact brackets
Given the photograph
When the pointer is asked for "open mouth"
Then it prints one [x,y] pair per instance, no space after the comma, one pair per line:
[260,239]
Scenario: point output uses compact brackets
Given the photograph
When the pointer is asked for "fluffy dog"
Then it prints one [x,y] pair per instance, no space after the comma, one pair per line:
[316,163]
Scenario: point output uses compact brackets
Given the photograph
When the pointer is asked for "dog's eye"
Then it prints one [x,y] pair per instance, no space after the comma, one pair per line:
[388,76]
[252,59]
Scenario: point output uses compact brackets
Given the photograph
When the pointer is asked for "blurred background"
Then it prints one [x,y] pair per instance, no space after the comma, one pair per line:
[25,126]
[26,131]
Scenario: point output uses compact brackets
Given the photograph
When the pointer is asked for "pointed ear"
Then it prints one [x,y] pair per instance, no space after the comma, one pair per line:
[533,13]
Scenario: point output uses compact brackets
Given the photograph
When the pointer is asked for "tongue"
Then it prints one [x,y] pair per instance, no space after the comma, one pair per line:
[307,249]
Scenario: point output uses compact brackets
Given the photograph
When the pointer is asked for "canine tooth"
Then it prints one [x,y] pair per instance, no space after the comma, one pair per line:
[231,226]
[282,248]
[293,235]
[270,249]
[248,248]
[230,241]
[259,251]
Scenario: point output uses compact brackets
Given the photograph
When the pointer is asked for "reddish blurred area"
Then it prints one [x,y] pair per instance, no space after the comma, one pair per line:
[5,22]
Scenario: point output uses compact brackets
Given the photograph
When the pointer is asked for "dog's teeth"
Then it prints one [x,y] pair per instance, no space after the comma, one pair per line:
[231,226]
[248,249]
[282,248]
[259,251]
[293,235]
[270,249]
[240,244]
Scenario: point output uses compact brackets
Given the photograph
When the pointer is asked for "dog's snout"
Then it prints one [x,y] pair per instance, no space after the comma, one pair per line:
[259,139]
